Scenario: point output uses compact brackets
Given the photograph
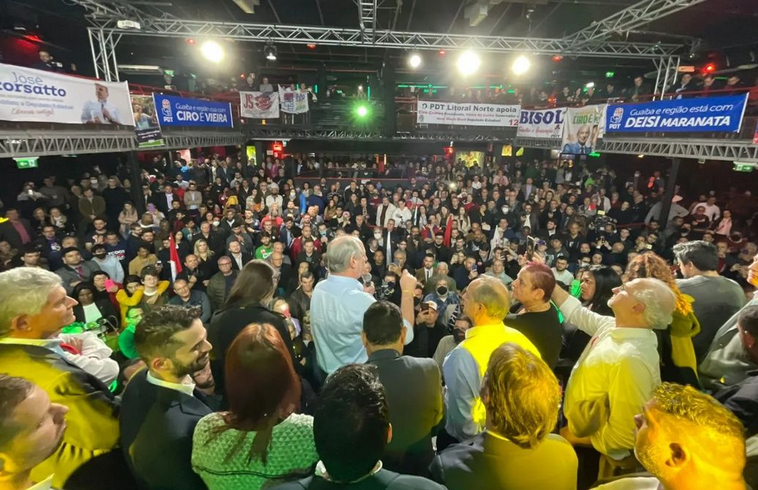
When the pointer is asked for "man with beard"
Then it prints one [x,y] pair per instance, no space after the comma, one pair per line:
[687,441]
[162,404]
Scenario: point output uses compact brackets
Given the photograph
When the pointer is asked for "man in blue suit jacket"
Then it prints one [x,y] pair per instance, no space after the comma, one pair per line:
[582,146]
[161,406]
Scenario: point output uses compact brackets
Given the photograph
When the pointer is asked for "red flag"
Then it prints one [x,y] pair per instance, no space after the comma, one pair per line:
[448,229]
[176,262]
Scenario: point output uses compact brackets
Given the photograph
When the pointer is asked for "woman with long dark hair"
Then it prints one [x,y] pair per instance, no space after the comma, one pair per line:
[260,440]
[597,285]
[248,302]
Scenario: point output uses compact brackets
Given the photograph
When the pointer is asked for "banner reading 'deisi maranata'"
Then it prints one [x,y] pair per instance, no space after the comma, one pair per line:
[467,114]
[180,111]
[42,96]
[541,123]
[701,115]
[259,105]
[582,127]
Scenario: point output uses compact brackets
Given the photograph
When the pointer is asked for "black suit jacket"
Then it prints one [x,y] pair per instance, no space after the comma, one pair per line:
[414,394]
[9,234]
[246,257]
[157,425]
[162,203]
[381,480]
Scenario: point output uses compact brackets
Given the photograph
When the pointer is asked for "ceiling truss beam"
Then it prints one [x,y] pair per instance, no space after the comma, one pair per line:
[628,19]
[329,36]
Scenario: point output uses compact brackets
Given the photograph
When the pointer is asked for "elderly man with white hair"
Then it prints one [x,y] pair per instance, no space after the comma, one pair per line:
[339,302]
[620,367]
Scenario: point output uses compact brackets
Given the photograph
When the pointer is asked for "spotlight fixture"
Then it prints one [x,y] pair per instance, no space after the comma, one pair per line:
[362,111]
[521,65]
[468,63]
[311,46]
[212,51]
[415,60]
[270,52]
[557,57]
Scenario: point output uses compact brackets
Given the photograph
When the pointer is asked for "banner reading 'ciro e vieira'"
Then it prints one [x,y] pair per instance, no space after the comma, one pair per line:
[582,128]
[33,95]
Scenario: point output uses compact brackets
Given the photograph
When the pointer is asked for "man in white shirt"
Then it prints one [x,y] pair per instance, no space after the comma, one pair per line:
[620,367]
[560,271]
[687,441]
[384,212]
[401,213]
[100,111]
[711,210]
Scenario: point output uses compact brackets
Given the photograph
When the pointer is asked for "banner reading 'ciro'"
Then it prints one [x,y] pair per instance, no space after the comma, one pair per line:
[582,127]
[42,96]
[467,114]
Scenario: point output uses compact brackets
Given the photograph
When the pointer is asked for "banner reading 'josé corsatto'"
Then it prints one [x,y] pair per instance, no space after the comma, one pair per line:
[467,114]
[180,111]
[27,94]
[701,115]
[541,123]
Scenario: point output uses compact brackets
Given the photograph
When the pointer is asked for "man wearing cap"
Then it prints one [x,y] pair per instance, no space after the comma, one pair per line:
[676,210]
[274,197]
[75,269]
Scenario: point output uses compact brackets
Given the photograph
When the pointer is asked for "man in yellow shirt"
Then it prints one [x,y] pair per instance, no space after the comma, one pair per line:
[485,302]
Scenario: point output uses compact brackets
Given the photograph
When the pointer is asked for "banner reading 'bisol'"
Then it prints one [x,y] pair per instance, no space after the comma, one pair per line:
[541,123]
[582,127]
[259,105]
[180,111]
[467,114]
[702,115]
[42,96]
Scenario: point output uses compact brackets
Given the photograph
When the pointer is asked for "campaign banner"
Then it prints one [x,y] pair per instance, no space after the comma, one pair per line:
[541,123]
[293,102]
[27,94]
[146,125]
[582,127]
[755,136]
[259,105]
[702,115]
[467,114]
[180,111]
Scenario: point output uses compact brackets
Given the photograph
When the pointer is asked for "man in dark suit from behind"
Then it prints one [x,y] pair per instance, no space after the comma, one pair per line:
[413,386]
[351,429]
[161,405]
[517,450]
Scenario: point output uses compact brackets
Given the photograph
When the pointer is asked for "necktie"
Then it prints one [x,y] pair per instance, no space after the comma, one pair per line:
[383,216]
[389,248]
[428,273]
[80,271]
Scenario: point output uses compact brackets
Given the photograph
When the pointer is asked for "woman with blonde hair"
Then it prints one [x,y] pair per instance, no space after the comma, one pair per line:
[205,257]
[678,361]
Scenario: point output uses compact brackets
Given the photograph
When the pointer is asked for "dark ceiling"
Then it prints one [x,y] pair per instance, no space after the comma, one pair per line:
[722,24]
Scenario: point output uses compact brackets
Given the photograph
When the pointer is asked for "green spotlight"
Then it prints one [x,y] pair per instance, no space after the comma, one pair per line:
[361,111]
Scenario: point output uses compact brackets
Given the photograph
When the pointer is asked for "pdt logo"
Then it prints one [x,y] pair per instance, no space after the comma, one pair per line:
[168,117]
[618,115]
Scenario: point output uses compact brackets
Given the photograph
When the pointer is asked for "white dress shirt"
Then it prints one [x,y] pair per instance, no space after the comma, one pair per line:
[94,356]
[619,364]
[187,387]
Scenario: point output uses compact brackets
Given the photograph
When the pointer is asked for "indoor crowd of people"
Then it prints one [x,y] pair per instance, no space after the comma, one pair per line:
[504,325]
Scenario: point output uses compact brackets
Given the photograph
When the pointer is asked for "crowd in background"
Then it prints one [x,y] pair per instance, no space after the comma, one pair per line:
[239,310]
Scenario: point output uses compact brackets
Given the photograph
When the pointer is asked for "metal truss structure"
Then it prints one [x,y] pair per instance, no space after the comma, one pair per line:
[103,44]
[20,143]
[710,149]
[367,18]
[628,19]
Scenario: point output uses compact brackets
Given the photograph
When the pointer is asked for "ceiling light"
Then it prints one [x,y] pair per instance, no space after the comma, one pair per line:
[468,63]
[270,52]
[521,65]
[414,60]
[212,51]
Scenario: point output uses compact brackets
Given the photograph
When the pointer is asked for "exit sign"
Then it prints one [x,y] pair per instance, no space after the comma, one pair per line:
[743,167]
[30,162]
